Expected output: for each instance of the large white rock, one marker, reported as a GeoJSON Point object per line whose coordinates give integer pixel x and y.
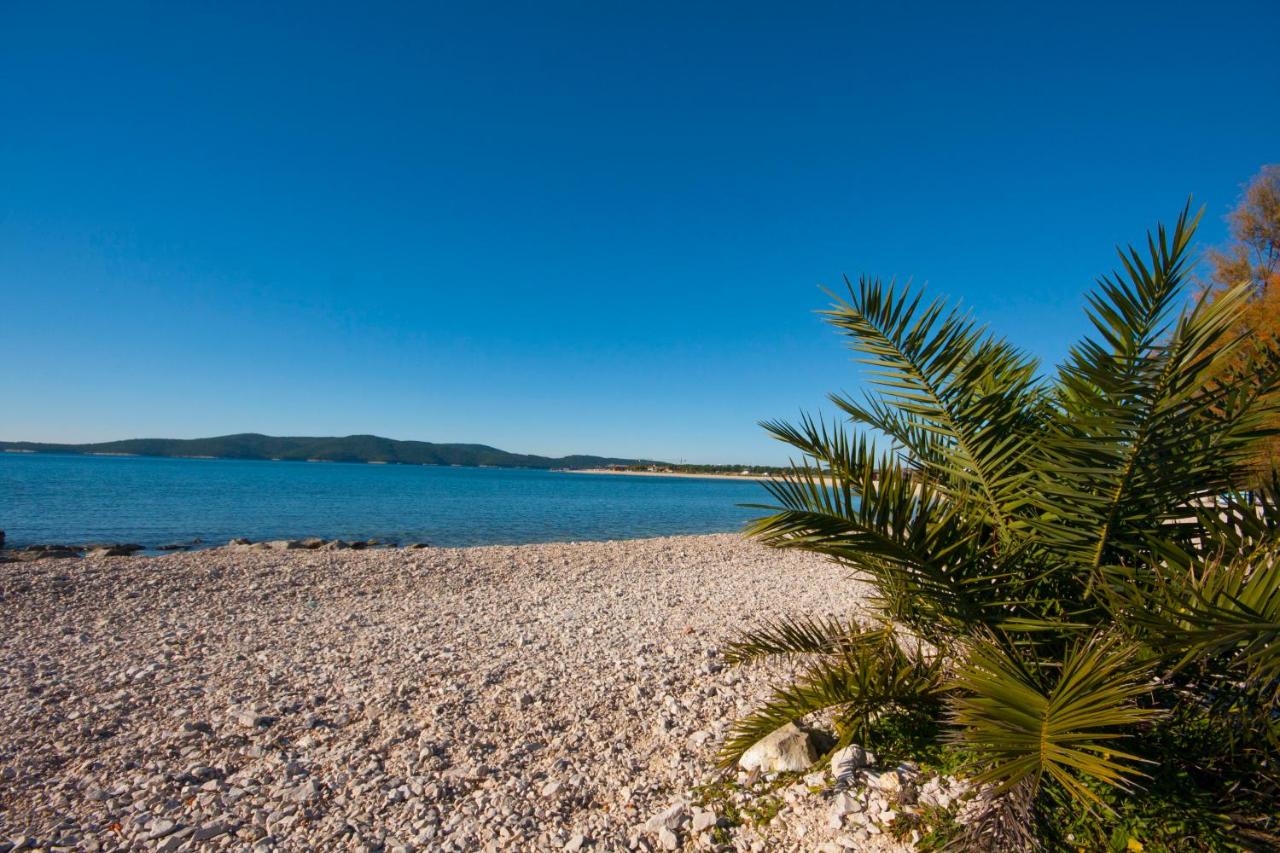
{"type": "Point", "coordinates": [889, 781]}
{"type": "Point", "coordinates": [843, 804]}
{"type": "Point", "coordinates": [788, 749]}
{"type": "Point", "coordinates": [845, 761]}
{"type": "Point", "coordinates": [703, 820]}
{"type": "Point", "coordinates": [672, 817]}
{"type": "Point", "coordinates": [933, 794]}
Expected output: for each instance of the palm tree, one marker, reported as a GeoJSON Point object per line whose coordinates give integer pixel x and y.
{"type": "Point", "coordinates": [1069, 574]}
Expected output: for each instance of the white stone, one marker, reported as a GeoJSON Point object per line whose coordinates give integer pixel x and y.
{"type": "Point", "coordinates": [889, 781]}
{"type": "Point", "coordinates": [843, 804]}
{"type": "Point", "coordinates": [306, 792]}
{"type": "Point", "coordinates": [845, 761]}
{"type": "Point", "coordinates": [672, 817]}
{"type": "Point", "coordinates": [787, 749]}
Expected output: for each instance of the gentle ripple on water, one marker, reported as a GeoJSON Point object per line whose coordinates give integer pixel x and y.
{"type": "Point", "coordinates": [48, 498]}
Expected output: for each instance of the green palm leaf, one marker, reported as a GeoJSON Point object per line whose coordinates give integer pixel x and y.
{"type": "Point", "coordinates": [860, 507]}
{"type": "Point", "coordinates": [1148, 425]}
{"type": "Point", "coordinates": [869, 675]}
{"type": "Point", "coordinates": [950, 378]}
{"type": "Point", "coordinates": [798, 636]}
{"type": "Point", "coordinates": [1026, 720]}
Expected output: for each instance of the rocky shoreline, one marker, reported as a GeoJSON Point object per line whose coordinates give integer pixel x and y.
{"type": "Point", "coordinates": [538, 697]}
{"type": "Point", "coordinates": [123, 549]}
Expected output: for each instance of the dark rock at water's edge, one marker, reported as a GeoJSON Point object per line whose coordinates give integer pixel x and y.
{"type": "Point", "coordinates": [116, 549]}
{"type": "Point", "coordinates": [1, 539]}
{"type": "Point", "coordinates": [113, 550]}
{"type": "Point", "coordinates": [65, 552]}
{"type": "Point", "coordinates": [41, 552]}
{"type": "Point", "coordinates": [180, 546]}
{"type": "Point", "coordinates": [38, 551]}
{"type": "Point", "coordinates": [313, 544]}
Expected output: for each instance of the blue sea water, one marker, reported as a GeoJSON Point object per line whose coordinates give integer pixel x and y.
{"type": "Point", "coordinates": [48, 498]}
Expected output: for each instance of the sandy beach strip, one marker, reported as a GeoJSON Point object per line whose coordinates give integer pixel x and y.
{"type": "Point", "coordinates": [502, 698]}
{"type": "Point", "coordinates": [691, 476]}
{"type": "Point", "coordinates": [760, 478]}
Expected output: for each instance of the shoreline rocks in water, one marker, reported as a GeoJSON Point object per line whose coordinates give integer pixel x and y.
{"type": "Point", "coordinates": [540, 697]}
{"type": "Point", "coordinates": [62, 552]}
{"type": "Point", "coordinates": [181, 546]}
{"type": "Point", "coordinates": [311, 544]}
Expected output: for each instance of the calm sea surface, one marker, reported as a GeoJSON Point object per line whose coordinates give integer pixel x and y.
{"type": "Point", "coordinates": [46, 498]}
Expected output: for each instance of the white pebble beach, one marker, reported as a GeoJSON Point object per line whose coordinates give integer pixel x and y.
{"type": "Point", "coordinates": [535, 697]}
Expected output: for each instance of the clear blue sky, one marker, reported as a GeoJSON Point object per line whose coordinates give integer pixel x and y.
{"type": "Point", "coordinates": [594, 227]}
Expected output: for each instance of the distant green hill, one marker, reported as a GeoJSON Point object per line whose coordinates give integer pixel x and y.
{"type": "Point", "coordinates": [352, 448]}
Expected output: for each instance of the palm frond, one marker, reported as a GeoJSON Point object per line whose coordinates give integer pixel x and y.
{"type": "Point", "coordinates": [953, 379]}
{"type": "Point", "coordinates": [862, 681]}
{"type": "Point", "coordinates": [920, 448]}
{"type": "Point", "coordinates": [1002, 822]}
{"type": "Point", "coordinates": [1025, 719]}
{"type": "Point", "coordinates": [799, 635]}
{"type": "Point", "coordinates": [857, 505]}
{"type": "Point", "coordinates": [1221, 616]}
{"type": "Point", "coordinates": [1149, 425]}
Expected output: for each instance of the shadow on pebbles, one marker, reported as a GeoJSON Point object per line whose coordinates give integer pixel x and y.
{"type": "Point", "coordinates": [540, 697]}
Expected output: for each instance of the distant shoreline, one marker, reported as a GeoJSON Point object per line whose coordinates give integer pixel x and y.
{"type": "Point", "coordinates": [689, 474]}
{"type": "Point", "coordinates": [311, 461]}
{"type": "Point", "coordinates": [366, 449]}
{"type": "Point", "coordinates": [101, 454]}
